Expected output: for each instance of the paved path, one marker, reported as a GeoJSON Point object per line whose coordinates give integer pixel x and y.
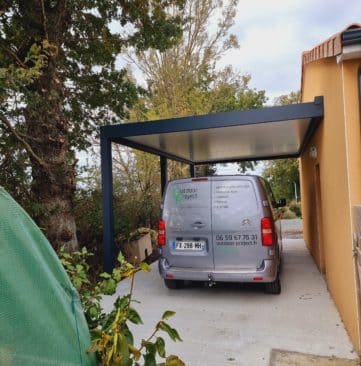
{"type": "Point", "coordinates": [292, 228]}
{"type": "Point", "coordinates": [240, 325]}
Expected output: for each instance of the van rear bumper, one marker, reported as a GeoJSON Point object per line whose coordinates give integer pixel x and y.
{"type": "Point", "coordinates": [266, 273]}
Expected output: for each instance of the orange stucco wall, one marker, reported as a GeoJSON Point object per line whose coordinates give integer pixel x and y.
{"type": "Point", "coordinates": [327, 201]}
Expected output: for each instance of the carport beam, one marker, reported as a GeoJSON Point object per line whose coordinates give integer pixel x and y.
{"type": "Point", "coordinates": [163, 173]}
{"type": "Point", "coordinates": [108, 216]}
{"type": "Point", "coordinates": [192, 170]}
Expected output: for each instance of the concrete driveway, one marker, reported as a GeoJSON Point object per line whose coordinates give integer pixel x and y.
{"type": "Point", "coordinates": [230, 324]}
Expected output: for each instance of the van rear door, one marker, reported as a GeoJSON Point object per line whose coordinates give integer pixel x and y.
{"type": "Point", "coordinates": [187, 216]}
{"type": "Point", "coordinates": [236, 216]}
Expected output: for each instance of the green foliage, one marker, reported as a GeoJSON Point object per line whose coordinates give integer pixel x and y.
{"type": "Point", "coordinates": [15, 167]}
{"type": "Point", "coordinates": [232, 93]}
{"type": "Point", "coordinates": [291, 98]}
{"type": "Point", "coordinates": [282, 174]}
{"type": "Point", "coordinates": [295, 207]}
{"type": "Point", "coordinates": [77, 267]}
{"type": "Point", "coordinates": [135, 201]}
{"type": "Point", "coordinates": [86, 37]}
{"type": "Point", "coordinates": [136, 191]}
{"type": "Point", "coordinates": [88, 216]}
{"type": "Point", "coordinates": [205, 170]}
{"type": "Point", "coordinates": [60, 79]}
{"type": "Point", "coordinates": [14, 75]}
{"type": "Point", "coordinates": [15, 171]}
{"type": "Point", "coordinates": [180, 78]}
{"type": "Point", "coordinates": [112, 339]}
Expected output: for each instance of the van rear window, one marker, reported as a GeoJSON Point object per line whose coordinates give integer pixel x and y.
{"type": "Point", "coordinates": [234, 196]}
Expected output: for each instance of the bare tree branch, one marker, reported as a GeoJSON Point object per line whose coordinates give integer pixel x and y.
{"type": "Point", "coordinates": [45, 20]}
{"type": "Point", "coordinates": [15, 56]}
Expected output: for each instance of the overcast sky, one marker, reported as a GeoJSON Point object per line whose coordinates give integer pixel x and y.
{"type": "Point", "coordinates": [274, 33]}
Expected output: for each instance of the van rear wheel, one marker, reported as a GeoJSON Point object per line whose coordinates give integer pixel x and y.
{"type": "Point", "coordinates": [174, 284]}
{"type": "Point", "coordinates": [273, 287]}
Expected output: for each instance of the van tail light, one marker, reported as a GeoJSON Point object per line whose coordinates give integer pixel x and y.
{"type": "Point", "coordinates": [161, 233]}
{"type": "Point", "coordinates": [267, 232]}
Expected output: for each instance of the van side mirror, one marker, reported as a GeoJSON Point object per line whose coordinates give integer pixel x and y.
{"type": "Point", "coordinates": [282, 202]}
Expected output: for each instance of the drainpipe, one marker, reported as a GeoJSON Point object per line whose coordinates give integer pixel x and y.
{"type": "Point", "coordinates": [192, 171]}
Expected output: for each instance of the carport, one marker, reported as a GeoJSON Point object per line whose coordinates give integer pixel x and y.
{"type": "Point", "coordinates": [257, 134]}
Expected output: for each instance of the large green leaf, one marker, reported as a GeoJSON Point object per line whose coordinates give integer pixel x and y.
{"type": "Point", "coordinates": [173, 334]}
{"type": "Point", "coordinates": [160, 344]}
{"type": "Point", "coordinates": [167, 314]}
{"type": "Point", "coordinates": [134, 317]}
{"type": "Point", "coordinates": [149, 360]}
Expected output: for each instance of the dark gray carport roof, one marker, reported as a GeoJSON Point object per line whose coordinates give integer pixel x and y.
{"type": "Point", "coordinates": [258, 134]}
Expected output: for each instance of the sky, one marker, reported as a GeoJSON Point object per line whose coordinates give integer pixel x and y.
{"type": "Point", "coordinates": [274, 33]}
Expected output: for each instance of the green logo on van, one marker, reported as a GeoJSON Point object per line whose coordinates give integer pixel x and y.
{"type": "Point", "coordinates": [178, 196]}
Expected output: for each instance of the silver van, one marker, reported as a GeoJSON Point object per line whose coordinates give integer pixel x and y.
{"type": "Point", "coordinates": [222, 229]}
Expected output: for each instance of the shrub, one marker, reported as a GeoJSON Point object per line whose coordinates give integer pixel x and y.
{"type": "Point", "coordinates": [296, 208]}
{"type": "Point", "coordinates": [112, 340]}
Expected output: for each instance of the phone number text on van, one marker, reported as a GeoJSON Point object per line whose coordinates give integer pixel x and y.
{"type": "Point", "coordinates": [236, 239]}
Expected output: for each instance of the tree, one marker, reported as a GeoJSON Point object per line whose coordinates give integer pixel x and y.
{"type": "Point", "coordinates": [232, 93]}
{"type": "Point", "coordinates": [136, 174]}
{"type": "Point", "coordinates": [184, 80]}
{"type": "Point", "coordinates": [178, 78]}
{"type": "Point", "coordinates": [291, 98]}
{"type": "Point", "coordinates": [59, 81]}
{"type": "Point", "coordinates": [283, 175]}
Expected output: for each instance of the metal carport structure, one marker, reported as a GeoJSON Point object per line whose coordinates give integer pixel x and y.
{"type": "Point", "coordinates": [257, 134]}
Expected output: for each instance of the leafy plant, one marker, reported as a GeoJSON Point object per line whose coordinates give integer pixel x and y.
{"type": "Point", "coordinates": [112, 340]}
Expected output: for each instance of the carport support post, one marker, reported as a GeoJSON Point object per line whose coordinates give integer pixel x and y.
{"type": "Point", "coordinates": [163, 173]}
{"type": "Point", "coordinates": [192, 170]}
{"type": "Point", "coordinates": [108, 215]}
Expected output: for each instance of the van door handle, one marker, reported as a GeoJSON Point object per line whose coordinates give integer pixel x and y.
{"type": "Point", "coordinates": [198, 225]}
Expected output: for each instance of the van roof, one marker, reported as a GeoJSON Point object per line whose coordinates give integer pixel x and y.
{"type": "Point", "coordinates": [213, 177]}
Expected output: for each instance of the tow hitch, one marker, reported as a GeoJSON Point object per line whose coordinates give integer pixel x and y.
{"type": "Point", "coordinates": [210, 280]}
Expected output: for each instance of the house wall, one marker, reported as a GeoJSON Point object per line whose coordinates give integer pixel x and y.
{"type": "Point", "coordinates": [331, 183]}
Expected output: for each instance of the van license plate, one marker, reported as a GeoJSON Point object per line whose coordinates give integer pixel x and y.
{"type": "Point", "coordinates": [189, 245]}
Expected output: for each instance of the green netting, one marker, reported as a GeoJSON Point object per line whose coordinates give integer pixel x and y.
{"type": "Point", "coordinates": [41, 320]}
